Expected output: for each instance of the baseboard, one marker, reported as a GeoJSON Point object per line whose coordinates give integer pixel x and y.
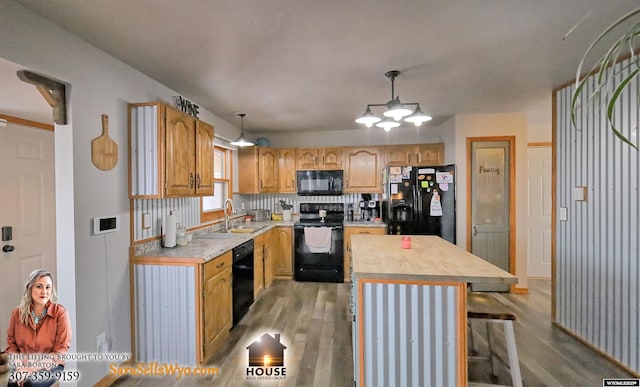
{"type": "Point", "coordinates": [109, 379]}
{"type": "Point", "coordinates": [516, 290]}
{"type": "Point", "coordinates": [601, 352]}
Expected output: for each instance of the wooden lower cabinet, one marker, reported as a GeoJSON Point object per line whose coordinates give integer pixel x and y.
{"type": "Point", "coordinates": [258, 265]}
{"type": "Point", "coordinates": [270, 248]}
{"type": "Point", "coordinates": [283, 253]}
{"type": "Point", "coordinates": [217, 313]}
{"type": "Point", "coordinates": [348, 231]}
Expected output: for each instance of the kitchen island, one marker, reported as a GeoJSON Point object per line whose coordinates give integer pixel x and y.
{"type": "Point", "coordinates": [410, 312]}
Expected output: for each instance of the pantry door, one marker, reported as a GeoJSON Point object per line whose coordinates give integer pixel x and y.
{"type": "Point", "coordinates": [491, 216]}
{"type": "Point", "coordinates": [27, 205]}
{"type": "Point", "coordinates": [539, 220]}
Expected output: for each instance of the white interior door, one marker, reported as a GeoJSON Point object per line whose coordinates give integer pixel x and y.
{"type": "Point", "coordinates": [539, 226]}
{"type": "Point", "coordinates": [27, 205]}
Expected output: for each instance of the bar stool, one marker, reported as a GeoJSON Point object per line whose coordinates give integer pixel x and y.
{"type": "Point", "coordinates": [483, 307]}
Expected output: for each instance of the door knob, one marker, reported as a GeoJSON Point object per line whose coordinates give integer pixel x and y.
{"type": "Point", "coordinates": [8, 248]}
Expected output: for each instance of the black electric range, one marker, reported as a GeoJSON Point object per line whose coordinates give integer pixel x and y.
{"type": "Point", "coordinates": [324, 265]}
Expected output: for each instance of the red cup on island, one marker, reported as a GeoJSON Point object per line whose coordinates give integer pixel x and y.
{"type": "Point", "coordinates": [406, 242]}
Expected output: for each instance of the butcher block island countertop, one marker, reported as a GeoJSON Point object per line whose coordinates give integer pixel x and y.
{"type": "Point", "coordinates": [409, 309]}
{"type": "Point", "coordinates": [430, 258]}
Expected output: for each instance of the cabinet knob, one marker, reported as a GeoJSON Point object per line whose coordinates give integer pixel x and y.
{"type": "Point", "coordinates": [191, 180]}
{"type": "Point", "coordinates": [198, 180]}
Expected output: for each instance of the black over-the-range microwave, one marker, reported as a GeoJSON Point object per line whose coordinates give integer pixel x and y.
{"type": "Point", "coordinates": [319, 182]}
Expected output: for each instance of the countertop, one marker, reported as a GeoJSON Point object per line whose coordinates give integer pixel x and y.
{"type": "Point", "coordinates": [430, 258]}
{"type": "Point", "coordinates": [204, 250]}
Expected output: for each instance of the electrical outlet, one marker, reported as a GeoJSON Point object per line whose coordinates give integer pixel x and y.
{"type": "Point", "coordinates": [146, 221]}
{"type": "Point", "coordinates": [101, 341]}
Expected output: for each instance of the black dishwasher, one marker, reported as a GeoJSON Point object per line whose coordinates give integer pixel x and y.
{"type": "Point", "coordinates": [242, 280]}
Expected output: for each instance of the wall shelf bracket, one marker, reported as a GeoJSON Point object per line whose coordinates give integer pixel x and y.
{"type": "Point", "coordinates": [54, 93]}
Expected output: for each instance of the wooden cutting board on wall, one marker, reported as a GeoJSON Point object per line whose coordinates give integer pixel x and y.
{"type": "Point", "coordinates": [104, 151]}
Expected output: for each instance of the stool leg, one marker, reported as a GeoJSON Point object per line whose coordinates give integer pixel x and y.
{"type": "Point", "coordinates": [472, 340]}
{"type": "Point", "coordinates": [512, 352]}
{"type": "Point", "coordinates": [492, 355]}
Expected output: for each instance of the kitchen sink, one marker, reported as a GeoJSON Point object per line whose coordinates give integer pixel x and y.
{"type": "Point", "coordinates": [218, 235]}
{"type": "Point", "coordinates": [232, 232]}
{"type": "Point", "coordinates": [246, 229]}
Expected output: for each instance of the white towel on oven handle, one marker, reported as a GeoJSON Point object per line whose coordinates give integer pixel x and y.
{"type": "Point", "coordinates": [318, 239]}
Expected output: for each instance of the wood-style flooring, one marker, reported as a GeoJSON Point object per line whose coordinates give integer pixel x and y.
{"type": "Point", "coordinates": [314, 322]}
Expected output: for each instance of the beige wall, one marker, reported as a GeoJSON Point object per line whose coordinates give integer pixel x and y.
{"type": "Point", "coordinates": [486, 125]}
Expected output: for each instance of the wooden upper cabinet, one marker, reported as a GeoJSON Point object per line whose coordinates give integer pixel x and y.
{"type": "Point", "coordinates": [248, 170]}
{"type": "Point", "coordinates": [287, 170]}
{"type": "Point", "coordinates": [331, 158]}
{"type": "Point", "coordinates": [430, 154]}
{"type": "Point", "coordinates": [170, 153]}
{"type": "Point", "coordinates": [258, 170]}
{"type": "Point", "coordinates": [268, 160]}
{"type": "Point", "coordinates": [204, 159]}
{"type": "Point", "coordinates": [319, 158]}
{"type": "Point", "coordinates": [180, 142]}
{"type": "Point", "coordinates": [396, 155]}
{"type": "Point", "coordinates": [419, 155]}
{"type": "Point", "coordinates": [363, 170]}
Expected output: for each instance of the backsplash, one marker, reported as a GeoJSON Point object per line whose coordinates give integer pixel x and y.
{"type": "Point", "coordinates": [272, 201]}
{"type": "Point", "coordinates": [188, 209]}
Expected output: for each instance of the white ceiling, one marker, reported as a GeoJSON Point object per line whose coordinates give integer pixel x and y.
{"type": "Point", "coordinates": [314, 65]}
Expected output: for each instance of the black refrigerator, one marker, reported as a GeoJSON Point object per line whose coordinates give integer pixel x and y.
{"type": "Point", "coordinates": [421, 201]}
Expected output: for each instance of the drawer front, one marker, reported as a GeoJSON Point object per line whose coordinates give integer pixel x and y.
{"type": "Point", "coordinates": [217, 265]}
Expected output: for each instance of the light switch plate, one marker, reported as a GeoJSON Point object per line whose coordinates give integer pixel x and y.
{"type": "Point", "coordinates": [563, 214]}
{"type": "Point", "coordinates": [580, 194]}
{"type": "Point", "coordinates": [146, 221]}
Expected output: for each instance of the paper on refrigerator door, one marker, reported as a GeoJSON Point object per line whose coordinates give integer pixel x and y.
{"type": "Point", "coordinates": [436, 205]}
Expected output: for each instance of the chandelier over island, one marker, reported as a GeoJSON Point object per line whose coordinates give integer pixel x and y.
{"type": "Point", "coordinates": [396, 111]}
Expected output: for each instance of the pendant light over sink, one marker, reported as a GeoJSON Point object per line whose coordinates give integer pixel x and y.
{"type": "Point", "coordinates": [395, 112]}
{"type": "Point", "coordinates": [242, 141]}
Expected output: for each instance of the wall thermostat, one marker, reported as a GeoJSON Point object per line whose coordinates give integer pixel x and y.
{"type": "Point", "coordinates": [105, 224]}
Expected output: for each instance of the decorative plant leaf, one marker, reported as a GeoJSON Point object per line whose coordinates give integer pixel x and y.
{"type": "Point", "coordinates": [612, 103]}
{"type": "Point", "coordinates": [604, 73]}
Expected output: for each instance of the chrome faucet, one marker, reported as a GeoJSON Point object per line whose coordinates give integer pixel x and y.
{"type": "Point", "coordinates": [226, 212]}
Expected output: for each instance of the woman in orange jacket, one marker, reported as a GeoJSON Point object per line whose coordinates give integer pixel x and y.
{"type": "Point", "coordinates": [39, 327]}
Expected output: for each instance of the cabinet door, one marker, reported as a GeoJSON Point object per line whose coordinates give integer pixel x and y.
{"type": "Point", "coordinates": [430, 154]}
{"type": "Point", "coordinates": [258, 265]}
{"type": "Point", "coordinates": [331, 158]}
{"type": "Point", "coordinates": [348, 231]}
{"type": "Point", "coordinates": [217, 307]}
{"type": "Point", "coordinates": [179, 153]}
{"type": "Point", "coordinates": [396, 155]}
{"type": "Point", "coordinates": [287, 170]}
{"type": "Point", "coordinates": [283, 258]}
{"type": "Point", "coordinates": [268, 169]}
{"type": "Point", "coordinates": [248, 170]}
{"type": "Point", "coordinates": [307, 158]}
{"type": "Point", "coordinates": [269, 253]}
{"type": "Point", "coordinates": [204, 159]}
{"type": "Point", "coordinates": [363, 170]}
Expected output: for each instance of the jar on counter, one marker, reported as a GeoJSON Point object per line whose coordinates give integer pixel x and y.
{"type": "Point", "coordinates": [406, 242]}
{"type": "Point", "coordinates": [181, 237]}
